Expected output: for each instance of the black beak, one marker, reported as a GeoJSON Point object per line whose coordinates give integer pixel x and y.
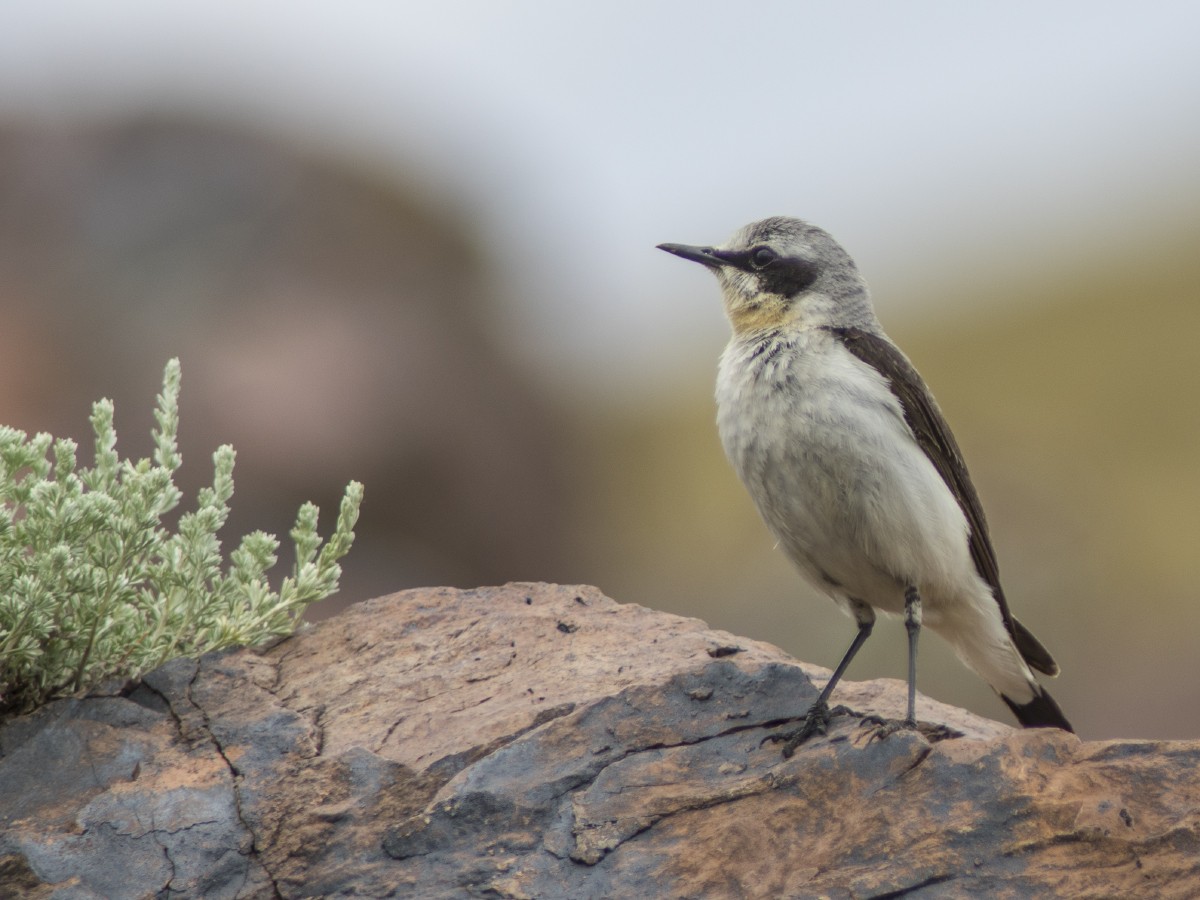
{"type": "Point", "coordinates": [705, 255]}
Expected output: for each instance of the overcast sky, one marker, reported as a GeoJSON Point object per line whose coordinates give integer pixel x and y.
{"type": "Point", "coordinates": [577, 136]}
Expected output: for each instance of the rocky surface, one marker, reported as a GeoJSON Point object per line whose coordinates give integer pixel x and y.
{"type": "Point", "coordinates": [543, 741]}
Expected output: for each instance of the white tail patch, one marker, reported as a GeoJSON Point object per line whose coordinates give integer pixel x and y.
{"type": "Point", "coordinates": [976, 631]}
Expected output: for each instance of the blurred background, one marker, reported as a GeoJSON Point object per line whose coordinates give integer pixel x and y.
{"type": "Point", "coordinates": [413, 244]}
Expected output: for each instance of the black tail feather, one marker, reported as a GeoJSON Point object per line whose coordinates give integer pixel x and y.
{"type": "Point", "coordinates": [1032, 651]}
{"type": "Point", "coordinates": [1040, 712]}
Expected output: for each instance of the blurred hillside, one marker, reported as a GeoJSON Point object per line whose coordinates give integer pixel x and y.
{"type": "Point", "coordinates": [330, 324]}
{"type": "Point", "coordinates": [334, 323]}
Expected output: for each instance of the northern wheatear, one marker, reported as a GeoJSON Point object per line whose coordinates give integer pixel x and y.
{"type": "Point", "coordinates": [852, 466]}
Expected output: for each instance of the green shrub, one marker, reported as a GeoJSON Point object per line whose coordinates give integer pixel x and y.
{"type": "Point", "coordinates": [94, 587]}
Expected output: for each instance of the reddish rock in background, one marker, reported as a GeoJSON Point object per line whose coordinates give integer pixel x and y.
{"type": "Point", "coordinates": [333, 322]}
{"type": "Point", "coordinates": [544, 741]}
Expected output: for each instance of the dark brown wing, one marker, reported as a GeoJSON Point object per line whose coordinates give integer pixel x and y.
{"type": "Point", "coordinates": [933, 435]}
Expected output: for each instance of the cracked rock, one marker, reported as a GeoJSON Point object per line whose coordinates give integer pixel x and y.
{"type": "Point", "coordinates": [446, 743]}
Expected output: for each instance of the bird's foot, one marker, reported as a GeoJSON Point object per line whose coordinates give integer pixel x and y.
{"type": "Point", "coordinates": [882, 729]}
{"type": "Point", "coordinates": [816, 721]}
{"type": "Point", "coordinates": [885, 728]}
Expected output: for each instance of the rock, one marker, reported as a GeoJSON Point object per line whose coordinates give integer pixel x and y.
{"type": "Point", "coordinates": [543, 741]}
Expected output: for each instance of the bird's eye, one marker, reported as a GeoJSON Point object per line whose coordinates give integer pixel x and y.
{"type": "Point", "coordinates": [761, 257]}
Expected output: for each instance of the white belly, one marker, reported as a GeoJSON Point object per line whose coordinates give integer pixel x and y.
{"type": "Point", "coordinates": [823, 449]}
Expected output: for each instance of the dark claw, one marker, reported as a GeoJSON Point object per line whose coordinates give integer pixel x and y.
{"type": "Point", "coordinates": [816, 721]}
{"type": "Point", "coordinates": [885, 728]}
{"type": "Point", "coordinates": [934, 733]}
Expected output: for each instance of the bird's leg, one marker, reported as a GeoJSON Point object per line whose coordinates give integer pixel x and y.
{"type": "Point", "coordinates": [912, 624]}
{"type": "Point", "coordinates": [816, 720]}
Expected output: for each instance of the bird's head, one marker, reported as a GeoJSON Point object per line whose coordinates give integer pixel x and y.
{"type": "Point", "coordinates": [784, 272]}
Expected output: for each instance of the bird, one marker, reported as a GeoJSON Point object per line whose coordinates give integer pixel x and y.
{"type": "Point", "coordinates": [853, 468]}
